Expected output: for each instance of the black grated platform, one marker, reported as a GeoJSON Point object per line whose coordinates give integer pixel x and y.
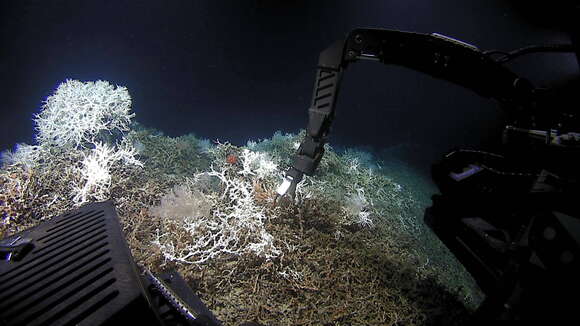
{"type": "Point", "coordinates": [78, 272]}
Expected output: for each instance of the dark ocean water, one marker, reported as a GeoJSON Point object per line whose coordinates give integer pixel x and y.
{"type": "Point", "coordinates": [239, 70]}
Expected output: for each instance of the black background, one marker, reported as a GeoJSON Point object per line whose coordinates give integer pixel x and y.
{"type": "Point", "coordinates": [239, 70]}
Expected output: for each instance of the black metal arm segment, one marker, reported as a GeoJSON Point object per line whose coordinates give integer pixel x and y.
{"type": "Point", "coordinates": [437, 55]}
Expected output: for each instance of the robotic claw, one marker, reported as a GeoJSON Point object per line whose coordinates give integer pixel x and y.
{"type": "Point", "coordinates": [511, 218]}
{"type": "Point", "coordinates": [437, 55]}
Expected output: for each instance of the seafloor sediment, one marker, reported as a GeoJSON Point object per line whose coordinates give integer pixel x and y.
{"type": "Point", "coordinates": [350, 250]}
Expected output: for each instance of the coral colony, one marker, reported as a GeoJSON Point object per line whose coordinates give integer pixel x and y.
{"type": "Point", "coordinates": [350, 249]}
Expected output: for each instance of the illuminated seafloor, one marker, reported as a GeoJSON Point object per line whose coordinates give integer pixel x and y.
{"type": "Point", "coordinates": [351, 249]}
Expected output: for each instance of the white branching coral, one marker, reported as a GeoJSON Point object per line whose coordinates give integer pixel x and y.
{"type": "Point", "coordinates": [357, 208]}
{"type": "Point", "coordinates": [74, 119]}
{"type": "Point", "coordinates": [24, 154]}
{"type": "Point", "coordinates": [257, 164]}
{"type": "Point", "coordinates": [96, 168]}
{"type": "Point", "coordinates": [236, 225]}
{"type": "Point", "coordinates": [80, 113]}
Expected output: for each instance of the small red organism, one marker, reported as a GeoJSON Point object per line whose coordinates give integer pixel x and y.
{"type": "Point", "coordinates": [232, 159]}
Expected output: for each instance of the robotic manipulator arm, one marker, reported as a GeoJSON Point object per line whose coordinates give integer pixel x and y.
{"type": "Point", "coordinates": [437, 55]}
{"type": "Point", "coordinates": [480, 200]}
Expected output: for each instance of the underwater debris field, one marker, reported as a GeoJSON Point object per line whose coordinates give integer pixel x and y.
{"type": "Point", "coordinates": [351, 249]}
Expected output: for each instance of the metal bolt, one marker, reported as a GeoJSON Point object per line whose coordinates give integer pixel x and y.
{"type": "Point", "coordinates": [358, 38]}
